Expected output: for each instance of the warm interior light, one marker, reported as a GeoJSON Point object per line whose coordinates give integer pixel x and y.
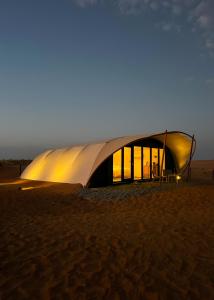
{"type": "Point", "coordinates": [127, 163]}
{"type": "Point", "coordinates": [154, 162]}
{"type": "Point", "coordinates": [137, 163]}
{"type": "Point", "coordinates": [146, 162]}
{"type": "Point", "coordinates": [162, 160]}
{"type": "Point", "coordinates": [178, 177]}
{"type": "Point", "coordinates": [117, 172]}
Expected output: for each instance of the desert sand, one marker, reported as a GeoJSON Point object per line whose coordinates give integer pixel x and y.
{"type": "Point", "coordinates": [137, 241]}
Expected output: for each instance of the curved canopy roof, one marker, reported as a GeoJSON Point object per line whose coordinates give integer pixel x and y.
{"type": "Point", "coordinates": [77, 164]}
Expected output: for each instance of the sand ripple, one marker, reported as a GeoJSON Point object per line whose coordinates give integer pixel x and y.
{"type": "Point", "coordinates": [61, 242]}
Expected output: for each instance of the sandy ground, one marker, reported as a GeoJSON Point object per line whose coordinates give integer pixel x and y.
{"type": "Point", "coordinates": [202, 170]}
{"type": "Point", "coordinates": [139, 241]}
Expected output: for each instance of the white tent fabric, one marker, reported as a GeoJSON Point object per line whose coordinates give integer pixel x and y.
{"type": "Point", "coordinates": [78, 163]}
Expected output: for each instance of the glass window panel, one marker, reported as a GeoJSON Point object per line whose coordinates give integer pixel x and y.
{"type": "Point", "coordinates": [137, 163]}
{"type": "Point", "coordinates": [117, 160]}
{"type": "Point", "coordinates": [127, 163]}
{"type": "Point", "coordinates": [146, 162]}
{"type": "Point", "coordinates": [154, 162]}
{"type": "Point", "coordinates": [162, 158]}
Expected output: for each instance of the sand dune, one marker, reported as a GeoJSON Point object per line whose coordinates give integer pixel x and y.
{"type": "Point", "coordinates": [129, 242]}
{"type": "Point", "coordinates": [202, 170]}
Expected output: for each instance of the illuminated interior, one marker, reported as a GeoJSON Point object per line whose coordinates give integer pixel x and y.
{"type": "Point", "coordinates": [117, 161]}
{"type": "Point", "coordinates": [137, 163]}
{"type": "Point", "coordinates": [155, 165]}
{"type": "Point", "coordinates": [146, 167]}
{"type": "Point", "coordinates": [127, 163]}
{"type": "Point", "coordinates": [162, 161]}
{"type": "Point", "coordinates": [146, 163]}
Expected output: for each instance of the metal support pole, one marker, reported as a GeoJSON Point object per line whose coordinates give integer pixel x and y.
{"type": "Point", "coordinates": [163, 156]}
{"type": "Point", "coordinates": [190, 159]}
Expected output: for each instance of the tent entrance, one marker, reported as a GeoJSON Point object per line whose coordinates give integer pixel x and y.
{"type": "Point", "coordinates": [136, 162]}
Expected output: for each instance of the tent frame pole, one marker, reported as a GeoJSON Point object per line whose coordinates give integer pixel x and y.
{"type": "Point", "coordinates": [190, 160]}
{"type": "Point", "coordinates": [163, 156]}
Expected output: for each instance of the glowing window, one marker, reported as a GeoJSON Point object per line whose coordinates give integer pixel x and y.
{"type": "Point", "coordinates": [162, 161]}
{"type": "Point", "coordinates": [127, 163]}
{"type": "Point", "coordinates": [137, 163]}
{"type": "Point", "coordinates": [117, 160]}
{"type": "Point", "coordinates": [155, 170]}
{"type": "Point", "coordinates": [146, 163]}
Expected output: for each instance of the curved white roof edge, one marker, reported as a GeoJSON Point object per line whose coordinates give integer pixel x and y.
{"type": "Point", "coordinates": [77, 164]}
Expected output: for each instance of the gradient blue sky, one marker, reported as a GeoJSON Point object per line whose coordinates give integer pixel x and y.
{"type": "Point", "coordinates": [79, 71]}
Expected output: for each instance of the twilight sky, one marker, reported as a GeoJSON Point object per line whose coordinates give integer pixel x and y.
{"type": "Point", "coordinates": [83, 70]}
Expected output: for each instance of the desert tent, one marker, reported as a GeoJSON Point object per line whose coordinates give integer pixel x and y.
{"type": "Point", "coordinates": [116, 160]}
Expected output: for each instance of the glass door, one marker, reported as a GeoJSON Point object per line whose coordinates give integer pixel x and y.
{"type": "Point", "coordinates": [146, 163]}
{"type": "Point", "coordinates": [117, 164]}
{"type": "Point", "coordinates": [162, 162]}
{"type": "Point", "coordinates": [155, 168]}
{"type": "Point", "coordinates": [127, 163]}
{"type": "Point", "coordinates": [137, 163]}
